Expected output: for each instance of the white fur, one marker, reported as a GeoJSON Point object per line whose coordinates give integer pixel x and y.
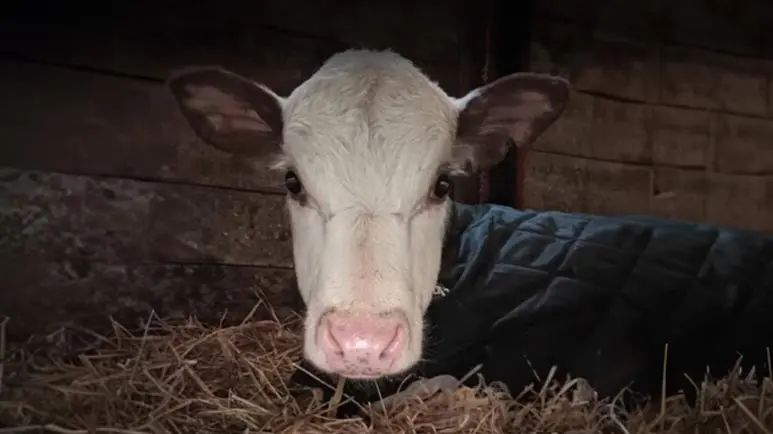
{"type": "Point", "coordinates": [367, 135]}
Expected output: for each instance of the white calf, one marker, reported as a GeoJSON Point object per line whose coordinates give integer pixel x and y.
{"type": "Point", "coordinates": [368, 145]}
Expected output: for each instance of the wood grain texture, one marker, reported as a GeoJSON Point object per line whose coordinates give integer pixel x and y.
{"type": "Point", "coordinates": [554, 182]}
{"type": "Point", "coordinates": [576, 184]}
{"type": "Point", "coordinates": [279, 43]}
{"type": "Point", "coordinates": [743, 145]}
{"type": "Point", "coordinates": [705, 80]}
{"type": "Point", "coordinates": [85, 123]}
{"type": "Point", "coordinates": [672, 115]}
{"type": "Point", "coordinates": [644, 70]}
{"type": "Point", "coordinates": [617, 188]}
{"type": "Point", "coordinates": [55, 216]}
{"type": "Point", "coordinates": [733, 26]}
{"type": "Point", "coordinates": [679, 194]}
{"type": "Point", "coordinates": [740, 200]}
{"type": "Point", "coordinates": [39, 296]}
{"type": "Point", "coordinates": [595, 63]}
{"type": "Point", "coordinates": [681, 137]}
{"type": "Point", "coordinates": [601, 128]}
{"type": "Point", "coordinates": [421, 28]}
{"type": "Point", "coordinates": [579, 184]}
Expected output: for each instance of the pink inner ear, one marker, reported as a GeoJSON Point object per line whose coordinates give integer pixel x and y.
{"type": "Point", "coordinates": [226, 113]}
{"type": "Point", "coordinates": [533, 104]}
{"type": "Point", "coordinates": [520, 114]}
{"type": "Point", "coordinates": [518, 107]}
{"type": "Point", "coordinates": [514, 120]}
{"type": "Point", "coordinates": [206, 98]}
{"type": "Point", "coordinates": [223, 124]}
{"type": "Point", "coordinates": [255, 124]}
{"type": "Point", "coordinates": [226, 125]}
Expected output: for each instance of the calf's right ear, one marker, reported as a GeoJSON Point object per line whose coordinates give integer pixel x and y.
{"type": "Point", "coordinates": [229, 111]}
{"type": "Point", "coordinates": [516, 108]}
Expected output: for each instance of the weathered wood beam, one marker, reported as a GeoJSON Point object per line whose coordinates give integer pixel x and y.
{"type": "Point", "coordinates": [55, 216]}
{"type": "Point", "coordinates": [38, 296]}
{"type": "Point", "coordinates": [268, 37]}
{"type": "Point", "coordinates": [56, 119]}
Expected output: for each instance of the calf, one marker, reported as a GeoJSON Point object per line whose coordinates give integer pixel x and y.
{"type": "Point", "coordinates": [368, 145]}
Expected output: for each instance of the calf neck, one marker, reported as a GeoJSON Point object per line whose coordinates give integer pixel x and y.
{"type": "Point", "coordinates": [368, 145]}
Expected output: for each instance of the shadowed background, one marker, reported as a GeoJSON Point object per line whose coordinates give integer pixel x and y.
{"type": "Point", "coordinates": [109, 205]}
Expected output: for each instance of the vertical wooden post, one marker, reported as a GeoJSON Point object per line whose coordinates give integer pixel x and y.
{"type": "Point", "coordinates": [511, 38]}
{"type": "Point", "coordinates": [473, 25]}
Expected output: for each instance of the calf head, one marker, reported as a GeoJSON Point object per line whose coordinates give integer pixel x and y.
{"type": "Point", "coordinates": [367, 146]}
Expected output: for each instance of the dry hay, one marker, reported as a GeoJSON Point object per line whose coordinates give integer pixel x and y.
{"type": "Point", "coordinates": [192, 378]}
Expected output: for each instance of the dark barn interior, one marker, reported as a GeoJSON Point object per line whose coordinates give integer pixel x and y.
{"type": "Point", "coordinates": [110, 206]}
{"type": "Point", "coordinates": [146, 209]}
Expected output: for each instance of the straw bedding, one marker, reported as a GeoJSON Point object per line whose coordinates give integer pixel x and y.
{"type": "Point", "coordinates": [187, 377]}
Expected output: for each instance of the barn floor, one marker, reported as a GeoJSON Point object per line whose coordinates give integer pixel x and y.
{"type": "Point", "coordinates": [191, 378]}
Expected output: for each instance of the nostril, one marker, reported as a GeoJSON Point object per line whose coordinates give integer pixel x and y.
{"type": "Point", "coordinates": [328, 335]}
{"type": "Point", "coordinates": [362, 343]}
{"type": "Point", "coordinates": [394, 345]}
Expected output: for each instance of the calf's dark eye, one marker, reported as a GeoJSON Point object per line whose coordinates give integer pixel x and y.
{"type": "Point", "coordinates": [442, 187]}
{"type": "Point", "coordinates": [292, 183]}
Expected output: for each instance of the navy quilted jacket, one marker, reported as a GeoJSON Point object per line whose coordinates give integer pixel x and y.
{"type": "Point", "coordinates": [599, 297]}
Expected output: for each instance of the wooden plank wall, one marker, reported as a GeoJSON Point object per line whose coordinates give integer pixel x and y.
{"type": "Point", "coordinates": [109, 205]}
{"type": "Point", "coordinates": [673, 115]}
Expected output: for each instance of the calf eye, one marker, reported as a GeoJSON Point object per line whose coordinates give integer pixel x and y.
{"type": "Point", "coordinates": [442, 187]}
{"type": "Point", "coordinates": [292, 183]}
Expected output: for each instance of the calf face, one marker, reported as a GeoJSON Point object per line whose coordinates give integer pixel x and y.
{"type": "Point", "coordinates": [367, 145]}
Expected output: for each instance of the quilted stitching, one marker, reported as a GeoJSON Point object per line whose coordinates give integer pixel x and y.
{"type": "Point", "coordinates": [610, 288]}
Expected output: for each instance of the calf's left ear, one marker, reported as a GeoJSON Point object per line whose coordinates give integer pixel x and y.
{"type": "Point", "coordinates": [517, 107]}
{"type": "Point", "coordinates": [228, 111]}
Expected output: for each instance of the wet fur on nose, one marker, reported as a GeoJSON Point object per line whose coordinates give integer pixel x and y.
{"type": "Point", "coordinates": [362, 346]}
